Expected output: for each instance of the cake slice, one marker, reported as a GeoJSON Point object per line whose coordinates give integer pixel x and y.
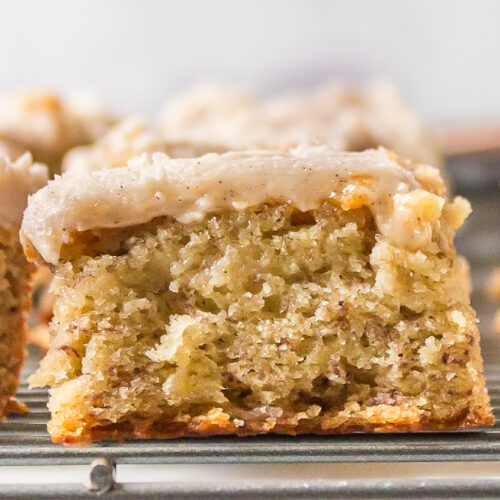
{"type": "Point", "coordinates": [17, 180]}
{"type": "Point", "coordinates": [348, 117]}
{"type": "Point", "coordinates": [255, 292]}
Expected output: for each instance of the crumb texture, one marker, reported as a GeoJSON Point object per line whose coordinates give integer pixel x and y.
{"type": "Point", "coordinates": [264, 320]}
{"type": "Point", "coordinates": [14, 304]}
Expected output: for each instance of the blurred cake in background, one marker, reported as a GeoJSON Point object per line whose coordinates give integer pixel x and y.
{"type": "Point", "coordinates": [48, 125]}
{"type": "Point", "coordinates": [347, 117]}
{"type": "Point", "coordinates": [121, 142]}
{"type": "Point", "coordinates": [127, 139]}
{"type": "Point", "coordinates": [212, 118]}
{"type": "Point", "coordinates": [17, 180]}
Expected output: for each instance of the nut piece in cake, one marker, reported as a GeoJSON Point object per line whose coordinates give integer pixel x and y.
{"type": "Point", "coordinates": [255, 292]}
{"type": "Point", "coordinates": [17, 180]}
{"type": "Point", "coordinates": [347, 117]}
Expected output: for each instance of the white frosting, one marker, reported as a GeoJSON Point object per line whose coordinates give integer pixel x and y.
{"type": "Point", "coordinates": [346, 117]}
{"type": "Point", "coordinates": [18, 180]}
{"type": "Point", "coordinates": [187, 189]}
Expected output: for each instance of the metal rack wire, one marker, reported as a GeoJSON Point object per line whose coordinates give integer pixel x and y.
{"type": "Point", "coordinates": [274, 490]}
{"type": "Point", "coordinates": [25, 441]}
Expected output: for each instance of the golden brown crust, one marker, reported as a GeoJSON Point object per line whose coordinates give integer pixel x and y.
{"type": "Point", "coordinates": [206, 426]}
{"type": "Point", "coordinates": [174, 429]}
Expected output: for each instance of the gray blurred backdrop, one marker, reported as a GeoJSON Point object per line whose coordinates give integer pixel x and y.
{"type": "Point", "coordinates": [444, 54]}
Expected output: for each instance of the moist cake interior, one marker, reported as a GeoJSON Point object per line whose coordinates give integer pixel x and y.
{"type": "Point", "coordinates": [264, 320]}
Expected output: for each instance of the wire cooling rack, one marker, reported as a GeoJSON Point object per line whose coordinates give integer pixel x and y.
{"type": "Point", "coordinates": [25, 441]}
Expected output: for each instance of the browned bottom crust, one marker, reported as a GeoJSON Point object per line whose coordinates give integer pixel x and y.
{"type": "Point", "coordinates": [219, 424]}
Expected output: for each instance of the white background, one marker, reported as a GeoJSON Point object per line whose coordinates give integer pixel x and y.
{"type": "Point", "coordinates": [444, 54]}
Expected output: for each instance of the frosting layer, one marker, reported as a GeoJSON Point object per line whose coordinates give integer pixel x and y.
{"type": "Point", "coordinates": [18, 180]}
{"type": "Point", "coordinates": [188, 189]}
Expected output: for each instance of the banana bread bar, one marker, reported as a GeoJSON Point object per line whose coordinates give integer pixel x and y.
{"type": "Point", "coordinates": [256, 292]}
